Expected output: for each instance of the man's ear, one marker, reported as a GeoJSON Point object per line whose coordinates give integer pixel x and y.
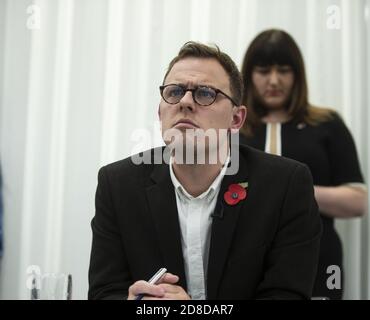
{"type": "Point", "coordinates": [239, 116]}
{"type": "Point", "coordinates": [159, 111]}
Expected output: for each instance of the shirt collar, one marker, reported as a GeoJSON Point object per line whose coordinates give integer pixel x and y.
{"type": "Point", "coordinates": [209, 193]}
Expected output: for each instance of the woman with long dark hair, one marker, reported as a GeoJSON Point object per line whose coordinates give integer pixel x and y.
{"type": "Point", "coordinates": [281, 121]}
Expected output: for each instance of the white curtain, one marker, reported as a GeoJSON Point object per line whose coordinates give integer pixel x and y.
{"type": "Point", "coordinates": [79, 83]}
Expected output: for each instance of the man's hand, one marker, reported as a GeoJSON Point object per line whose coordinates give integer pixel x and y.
{"type": "Point", "coordinates": [172, 291]}
{"type": "Point", "coordinates": [166, 289]}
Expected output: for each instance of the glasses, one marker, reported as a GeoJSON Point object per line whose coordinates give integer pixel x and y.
{"type": "Point", "coordinates": [202, 95]}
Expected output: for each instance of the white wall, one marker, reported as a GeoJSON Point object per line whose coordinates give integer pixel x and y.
{"type": "Point", "coordinates": [13, 122]}
{"type": "Point", "coordinates": [2, 42]}
{"type": "Point", "coordinates": [73, 92]}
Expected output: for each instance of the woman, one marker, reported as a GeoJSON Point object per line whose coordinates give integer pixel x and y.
{"type": "Point", "coordinates": [282, 121]}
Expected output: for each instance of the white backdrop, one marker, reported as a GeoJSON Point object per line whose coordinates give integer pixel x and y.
{"type": "Point", "coordinates": [77, 78]}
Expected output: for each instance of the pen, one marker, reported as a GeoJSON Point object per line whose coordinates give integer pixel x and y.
{"type": "Point", "coordinates": [153, 280]}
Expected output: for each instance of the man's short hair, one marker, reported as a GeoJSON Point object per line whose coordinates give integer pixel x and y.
{"type": "Point", "coordinates": [199, 50]}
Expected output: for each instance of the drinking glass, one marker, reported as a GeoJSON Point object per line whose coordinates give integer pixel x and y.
{"type": "Point", "coordinates": [52, 286]}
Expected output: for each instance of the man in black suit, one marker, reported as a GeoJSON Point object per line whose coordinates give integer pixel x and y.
{"type": "Point", "coordinates": [222, 233]}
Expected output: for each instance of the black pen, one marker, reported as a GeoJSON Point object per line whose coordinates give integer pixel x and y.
{"type": "Point", "coordinates": [153, 280]}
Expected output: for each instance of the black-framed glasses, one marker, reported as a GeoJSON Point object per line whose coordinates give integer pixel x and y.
{"type": "Point", "coordinates": [202, 95]}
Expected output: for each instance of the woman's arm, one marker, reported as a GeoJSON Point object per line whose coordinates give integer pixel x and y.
{"type": "Point", "coordinates": [342, 201]}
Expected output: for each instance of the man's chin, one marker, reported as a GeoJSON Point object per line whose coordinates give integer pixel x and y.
{"type": "Point", "coordinates": [196, 144]}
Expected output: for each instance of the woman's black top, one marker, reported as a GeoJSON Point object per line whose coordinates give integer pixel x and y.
{"type": "Point", "coordinates": [329, 151]}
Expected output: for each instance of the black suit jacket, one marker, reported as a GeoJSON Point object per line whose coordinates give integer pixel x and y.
{"type": "Point", "coordinates": [265, 247]}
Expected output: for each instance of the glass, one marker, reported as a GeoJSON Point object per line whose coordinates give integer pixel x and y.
{"type": "Point", "coordinates": [52, 286]}
{"type": "Point", "coordinates": [202, 95]}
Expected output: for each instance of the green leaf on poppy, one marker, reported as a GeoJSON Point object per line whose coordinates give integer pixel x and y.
{"type": "Point", "coordinates": [244, 184]}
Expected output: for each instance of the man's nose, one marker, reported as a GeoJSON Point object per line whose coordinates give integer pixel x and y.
{"type": "Point", "coordinates": [187, 101]}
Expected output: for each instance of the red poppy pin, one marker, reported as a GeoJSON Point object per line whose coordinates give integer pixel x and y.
{"type": "Point", "coordinates": [236, 193]}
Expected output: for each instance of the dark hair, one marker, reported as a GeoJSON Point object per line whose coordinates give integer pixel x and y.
{"type": "Point", "coordinates": [199, 50]}
{"type": "Point", "coordinates": [277, 47]}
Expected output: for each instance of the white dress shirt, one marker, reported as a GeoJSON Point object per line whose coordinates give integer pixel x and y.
{"type": "Point", "coordinates": [195, 224]}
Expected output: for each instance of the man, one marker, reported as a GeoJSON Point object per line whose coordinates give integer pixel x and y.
{"type": "Point", "coordinates": [253, 234]}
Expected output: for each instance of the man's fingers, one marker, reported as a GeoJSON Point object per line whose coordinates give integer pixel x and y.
{"type": "Point", "coordinates": [169, 288]}
{"type": "Point", "coordinates": [169, 278]}
{"type": "Point", "coordinates": [155, 290]}
{"type": "Point", "coordinates": [156, 298]}
{"type": "Point", "coordinates": [143, 287]}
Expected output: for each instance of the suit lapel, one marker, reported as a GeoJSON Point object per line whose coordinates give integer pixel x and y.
{"type": "Point", "coordinates": [225, 218]}
{"type": "Point", "coordinates": [162, 203]}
